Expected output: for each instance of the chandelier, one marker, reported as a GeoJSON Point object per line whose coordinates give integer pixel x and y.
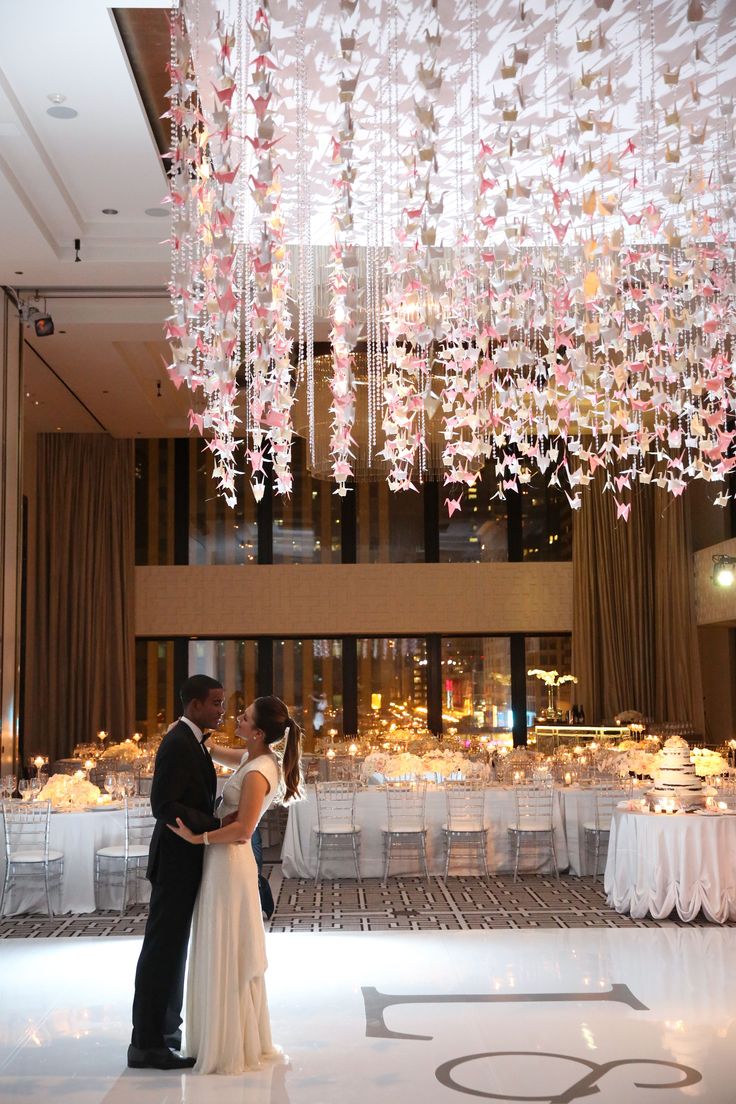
{"type": "Point", "coordinates": [514, 226]}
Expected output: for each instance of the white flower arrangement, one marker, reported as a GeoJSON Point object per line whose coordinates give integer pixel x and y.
{"type": "Point", "coordinates": [67, 791]}
{"type": "Point", "coordinates": [551, 678]}
{"type": "Point", "coordinates": [708, 763]}
{"type": "Point", "coordinates": [435, 765]}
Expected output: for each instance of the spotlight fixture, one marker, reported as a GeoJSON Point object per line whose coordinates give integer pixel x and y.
{"type": "Point", "coordinates": [723, 570]}
{"type": "Point", "coordinates": [41, 321]}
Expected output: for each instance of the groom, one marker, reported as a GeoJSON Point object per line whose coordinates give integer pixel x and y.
{"type": "Point", "coordinates": [184, 785]}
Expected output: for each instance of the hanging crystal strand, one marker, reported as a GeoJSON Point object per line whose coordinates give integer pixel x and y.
{"type": "Point", "coordinates": [305, 284]}
{"type": "Point", "coordinates": [272, 395]}
{"type": "Point", "coordinates": [344, 331]}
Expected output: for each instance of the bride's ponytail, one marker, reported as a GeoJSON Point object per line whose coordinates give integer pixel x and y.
{"type": "Point", "coordinates": [292, 762]}
{"type": "Point", "coordinates": [272, 717]}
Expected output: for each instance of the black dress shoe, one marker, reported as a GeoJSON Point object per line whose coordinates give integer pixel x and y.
{"type": "Point", "coordinates": [161, 1058]}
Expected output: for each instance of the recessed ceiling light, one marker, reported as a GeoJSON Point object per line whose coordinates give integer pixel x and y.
{"type": "Point", "coordinates": [109, 210]}
{"type": "Point", "coordinates": [62, 112]}
{"type": "Point", "coordinates": [157, 212]}
{"type": "Point", "coordinates": [19, 272]}
{"type": "Point", "coordinates": [56, 97]}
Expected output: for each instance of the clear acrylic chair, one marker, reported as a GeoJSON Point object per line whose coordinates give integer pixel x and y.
{"type": "Point", "coordinates": [598, 831]}
{"type": "Point", "coordinates": [28, 858]}
{"type": "Point", "coordinates": [406, 828]}
{"type": "Point", "coordinates": [120, 864]}
{"type": "Point", "coordinates": [466, 824]}
{"type": "Point", "coordinates": [336, 827]}
{"type": "Point", "coordinates": [534, 823]}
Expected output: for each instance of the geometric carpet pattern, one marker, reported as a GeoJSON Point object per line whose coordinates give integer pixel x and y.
{"type": "Point", "coordinates": [459, 904]}
{"type": "Point", "coordinates": [404, 904]}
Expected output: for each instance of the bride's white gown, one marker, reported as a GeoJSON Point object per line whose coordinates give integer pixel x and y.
{"type": "Point", "coordinates": [227, 1024]}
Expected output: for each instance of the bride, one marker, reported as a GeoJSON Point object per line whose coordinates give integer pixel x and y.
{"type": "Point", "coordinates": [227, 1024]}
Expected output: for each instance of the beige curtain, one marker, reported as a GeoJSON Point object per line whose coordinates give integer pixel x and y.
{"type": "Point", "coordinates": [634, 643]}
{"type": "Point", "coordinates": [81, 670]}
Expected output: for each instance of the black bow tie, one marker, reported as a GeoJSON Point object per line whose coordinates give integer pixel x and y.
{"type": "Point", "coordinates": [205, 737]}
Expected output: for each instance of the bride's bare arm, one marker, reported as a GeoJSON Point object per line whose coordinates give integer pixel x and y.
{"type": "Point", "coordinates": [255, 788]}
{"type": "Point", "coordinates": [226, 756]}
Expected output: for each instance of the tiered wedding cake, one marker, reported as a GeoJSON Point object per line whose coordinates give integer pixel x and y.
{"type": "Point", "coordinates": [674, 774]}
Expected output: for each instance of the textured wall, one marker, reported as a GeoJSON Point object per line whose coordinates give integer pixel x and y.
{"type": "Point", "coordinates": [332, 600]}
{"type": "Point", "coordinates": [713, 605]}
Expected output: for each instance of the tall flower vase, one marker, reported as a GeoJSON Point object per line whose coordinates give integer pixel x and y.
{"type": "Point", "coordinates": [551, 710]}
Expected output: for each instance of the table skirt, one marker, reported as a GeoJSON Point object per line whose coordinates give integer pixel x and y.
{"type": "Point", "coordinates": [78, 836]}
{"type": "Point", "coordinates": [659, 863]}
{"type": "Point", "coordinates": [299, 854]}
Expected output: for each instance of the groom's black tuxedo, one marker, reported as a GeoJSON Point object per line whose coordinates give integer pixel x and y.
{"type": "Point", "coordinates": [184, 786]}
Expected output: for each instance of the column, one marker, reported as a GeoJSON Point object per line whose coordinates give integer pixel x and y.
{"type": "Point", "coordinates": [11, 504]}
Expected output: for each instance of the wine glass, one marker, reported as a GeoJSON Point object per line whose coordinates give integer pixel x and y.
{"type": "Point", "coordinates": [111, 784]}
{"type": "Point", "coordinates": [26, 791]}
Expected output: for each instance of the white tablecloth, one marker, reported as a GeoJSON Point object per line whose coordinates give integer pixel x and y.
{"type": "Point", "coordinates": [657, 863]}
{"type": "Point", "coordinates": [79, 836]}
{"type": "Point", "coordinates": [299, 854]}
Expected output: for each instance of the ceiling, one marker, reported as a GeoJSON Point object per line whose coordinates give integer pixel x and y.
{"type": "Point", "coordinates": [103, 369]}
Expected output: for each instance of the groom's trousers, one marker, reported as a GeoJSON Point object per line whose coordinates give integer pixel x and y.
{"type": "Point", "coordinates": [159, 978]}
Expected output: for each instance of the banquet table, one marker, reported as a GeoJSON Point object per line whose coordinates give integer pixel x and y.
{"type": "Point", "coordinates": [574, 806]}
{"type": "Point", "coordinates": [660, 862]}
{"type": "Point", "coordinates": [79, 835]}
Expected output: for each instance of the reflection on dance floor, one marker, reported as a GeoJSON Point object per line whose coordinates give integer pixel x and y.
{"type": "Point", "coordinates": [626, 1015]}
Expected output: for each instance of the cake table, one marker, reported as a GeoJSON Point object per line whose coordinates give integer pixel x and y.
{"type": "Point", "coordinates": [686, 861]}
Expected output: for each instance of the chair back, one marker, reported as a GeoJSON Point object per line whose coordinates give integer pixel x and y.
{"type": "Point", "coordinates": [606, 800]}
{"type": "Point", "coordinates": [406, 804]}
{"type": "Point", "coordinates": [335, 805]}
{"type": "Point", "coordinates": [534, 805]}
{"type": "Point", "coordinates": [139, 822]}
{"type": "Point", "coordinates": [26, 827]}
{"type": "Point", "coordinates": [466, 806]}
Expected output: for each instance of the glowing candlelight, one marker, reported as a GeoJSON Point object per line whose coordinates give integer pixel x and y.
{"type": "Point", "coordinates": [722, 805]}
{"type": "Point", "coordinates": [38, 762]}
{"type": "Point", "coordinates": [330, 753]}
{"type": "Point", "coordinates": [353, 749]}
{"type": "Point", "coordinates": [568, 778]}
{"type": "Point", "coordinates": [137, 736]}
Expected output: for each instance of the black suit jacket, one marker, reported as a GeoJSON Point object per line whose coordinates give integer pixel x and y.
{"type": "Point", "coordinates": [184, 785]}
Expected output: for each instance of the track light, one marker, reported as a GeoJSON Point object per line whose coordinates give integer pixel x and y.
{"type": "Point", "coordinates": [723, 571]}
{"type": "Point", "coordinates": [42, 322]}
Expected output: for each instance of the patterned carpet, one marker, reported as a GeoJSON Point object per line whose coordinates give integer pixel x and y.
{"type": "Point", "coordinates": [404, 904]}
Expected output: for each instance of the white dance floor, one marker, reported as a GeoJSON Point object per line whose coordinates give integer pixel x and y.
{"type": "Point", "coordinates": [434, 1017]}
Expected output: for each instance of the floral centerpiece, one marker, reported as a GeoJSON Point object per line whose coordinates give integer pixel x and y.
{"type": "Point", "coordinates": [553, 680]}
{"type": "Point", "coordinates": [708, 763]}
{"type": "Point", "coordinates": [434, 766]}
{"type": "Point", "coordinates": [69, 791]}
{"type": "Point", "coordinates": [127, 752]}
